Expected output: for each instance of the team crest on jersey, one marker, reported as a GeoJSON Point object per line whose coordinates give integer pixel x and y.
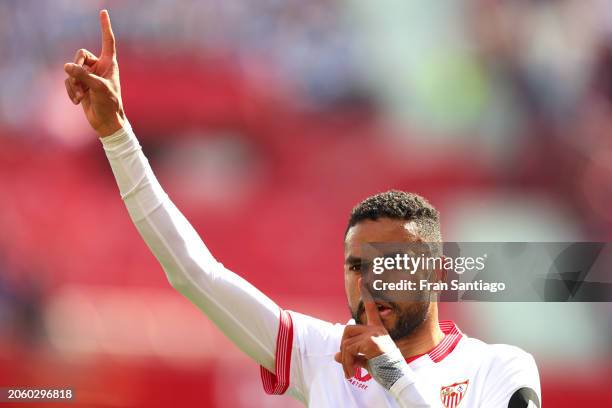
{"type": "Point", "coordinates": [451, 395]}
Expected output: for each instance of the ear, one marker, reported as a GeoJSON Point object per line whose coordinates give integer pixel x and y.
{"type": "Point", "coordinates": [441, 274]}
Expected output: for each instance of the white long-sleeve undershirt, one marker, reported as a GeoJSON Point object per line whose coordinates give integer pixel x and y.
{"type": "Point", "coordinates": [245, 315]}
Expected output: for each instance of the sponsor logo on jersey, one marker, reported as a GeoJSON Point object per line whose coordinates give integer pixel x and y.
{"type": "Point", "coordinates": [451, 395]}
{"type": "Point", "coordinates": [362, 375]}
{"type": "Point", "coordinates": [360, 378]}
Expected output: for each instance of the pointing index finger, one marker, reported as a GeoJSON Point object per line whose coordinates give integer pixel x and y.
{"type": "Point", "coordinates": [371, 309]}
{"type": "Point", "coordinates": [108, 38]}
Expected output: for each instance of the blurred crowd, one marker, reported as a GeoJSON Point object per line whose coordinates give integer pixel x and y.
{"type": "Point", "coordinates": [527, 82]}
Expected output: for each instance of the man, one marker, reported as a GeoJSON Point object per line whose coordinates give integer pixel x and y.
{"type": "Point", "coordinates": [391, 354]}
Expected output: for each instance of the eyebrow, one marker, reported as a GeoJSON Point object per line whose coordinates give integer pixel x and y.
{"type": "Point", "coordinates": [352, 260]}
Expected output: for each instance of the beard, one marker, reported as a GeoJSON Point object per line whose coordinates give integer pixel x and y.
{"type": "Point", "coordinates": [408, 317]}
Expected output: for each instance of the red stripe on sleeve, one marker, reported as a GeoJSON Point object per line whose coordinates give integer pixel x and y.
{"type": "Point", "coordinates": [278, 382]}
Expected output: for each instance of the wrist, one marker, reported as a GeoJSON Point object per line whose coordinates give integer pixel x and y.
{"type": "Point", "coordinates": [388, 368]}
{"type": "Point", "coordinates": [110, 127]}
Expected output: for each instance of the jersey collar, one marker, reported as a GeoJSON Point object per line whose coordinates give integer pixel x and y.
{"type": "Point", "coordinates": [452, 335]}
{"type": "Point", "coordinates": [451, 338]}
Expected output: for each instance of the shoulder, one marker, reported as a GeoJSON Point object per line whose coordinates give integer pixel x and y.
{"type": "Point", "coordinates": [502, 362]}
{"type": "Point", "coordinates": [511, 358]}
{"type": "Point", "coordinates": [498, 354]}
{"type": "Point", "coordinates": [510, 374]}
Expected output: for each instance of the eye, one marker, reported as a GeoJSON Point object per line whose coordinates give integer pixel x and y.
{"type": "Point", "coordinates": [355, 267]}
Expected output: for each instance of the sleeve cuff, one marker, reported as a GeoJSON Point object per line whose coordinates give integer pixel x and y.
{"type": "Point", "coordinates": [277, 383]}
{"type": "Point", "coordinates": [120, 136]}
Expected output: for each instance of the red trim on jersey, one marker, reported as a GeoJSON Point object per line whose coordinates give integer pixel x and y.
{"type": "Point", "coordinates": [452, 335]}
{"type": "Point", "coordinates": [448, 343]}
{"type": "Point", "coordinates": [278, 382]}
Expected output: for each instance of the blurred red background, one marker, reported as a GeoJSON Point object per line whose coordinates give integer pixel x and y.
{"type": "Point", "coordinates": [266, 123]}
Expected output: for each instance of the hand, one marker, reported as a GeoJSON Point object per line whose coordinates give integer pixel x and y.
{"type": "Point", "coordinates": [361, 343]}
{"type": "Point", "coordinates": [94, 83]}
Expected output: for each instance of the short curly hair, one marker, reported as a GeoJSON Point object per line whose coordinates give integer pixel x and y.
{"type": "Point", "coordinates": [399, 205]}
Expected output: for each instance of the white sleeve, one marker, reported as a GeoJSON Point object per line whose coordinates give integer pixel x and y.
{"type": "Point", "coordinates": [314, 343]}
{"type": "Point", "coordinates": [244, 314]}
{"type": "Point", "coordinates": [409, 394]}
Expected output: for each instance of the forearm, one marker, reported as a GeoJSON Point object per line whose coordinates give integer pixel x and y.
{"type": "Point", "coordinates": [243, 313]}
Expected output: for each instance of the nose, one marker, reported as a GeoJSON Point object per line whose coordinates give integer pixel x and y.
{"type": "Point", "coordinates": [364, 291]}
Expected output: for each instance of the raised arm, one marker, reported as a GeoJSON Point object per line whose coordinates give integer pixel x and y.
{"type": "Point", "coordinates": [243, 313]}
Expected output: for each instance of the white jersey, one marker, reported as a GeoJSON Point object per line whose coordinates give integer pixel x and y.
{"type": "Point", "coordinates": [458, 372]}
{"type": "Point", "coordinates": [295, 351]}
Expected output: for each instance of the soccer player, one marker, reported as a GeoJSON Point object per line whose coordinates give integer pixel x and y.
{"type": "Point", "coordinates": [391, 354]}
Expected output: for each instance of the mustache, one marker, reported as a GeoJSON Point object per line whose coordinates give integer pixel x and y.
{"type": "Point", "coordinates": [361, 306]}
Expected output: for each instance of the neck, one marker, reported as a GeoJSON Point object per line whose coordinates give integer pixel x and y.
{"type": "Point", "coordinates": [424, 338]}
